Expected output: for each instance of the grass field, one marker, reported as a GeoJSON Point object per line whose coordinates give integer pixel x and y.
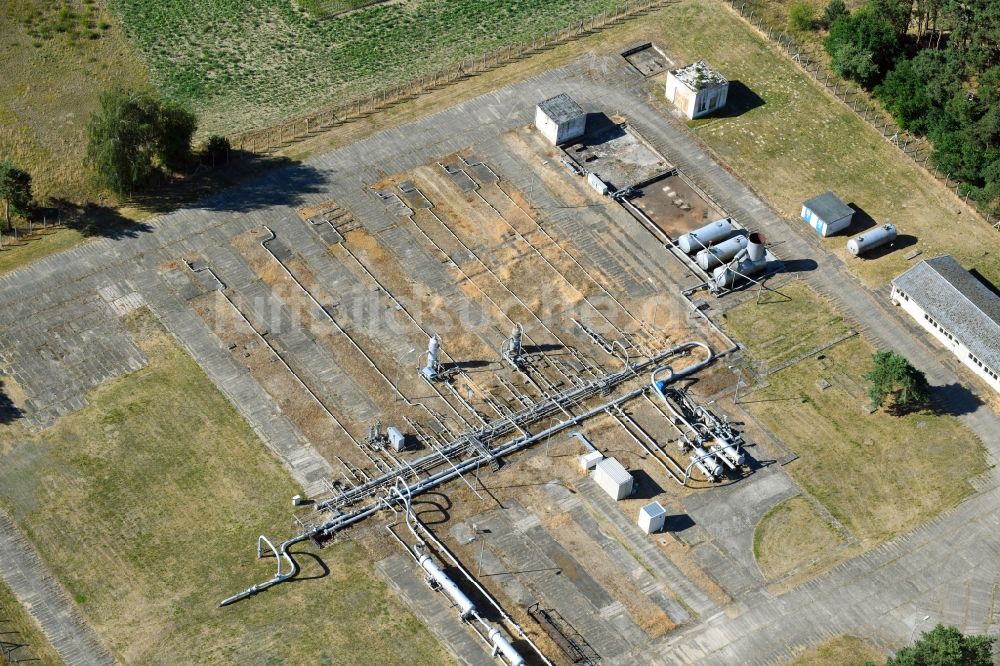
{"type": "Point", "coordinates": [778, 330]}
{"type": "Point", "coordinates": [793, 535]}
{"type": "Point", "coordinates": [24, 630]}
{"type": "Point", "coordinates": [147, 505]}
{"type": "Point", "coordinates": [840, 651]}
{"type": "Point", "coordinates": [51, 85]}
{"type": "Point", "coordinates": [799, 142]}
{"type": "Point", "coordinates": [878, 474]}
{"type": "Point", "coordinates": [321, 8]}
{"type": "Point", "coordinates": [246, 65]}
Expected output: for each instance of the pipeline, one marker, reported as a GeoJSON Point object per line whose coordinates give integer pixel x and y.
{"type": "Point", "coordinates": [344, 520]}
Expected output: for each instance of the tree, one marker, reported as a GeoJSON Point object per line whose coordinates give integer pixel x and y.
{"type": "Point", "coordinates": [15, 190]}
{"type": "Point", "coordinates": [946, 646]}
{"type": "Point", "coordinates": [896, 13]}
{"type": "Point", "coordinates": [216, 148]}
{"type": "Point", "coordinates": [858, 38]}
{"type": "Point", "coordinates": [132, 134]}
{"type": "Point", "coordinates": [892, 375]}
{"type": "Point", "coordinates": [802, 16]}
{"type": "Point", "coordinates": [834, 10]}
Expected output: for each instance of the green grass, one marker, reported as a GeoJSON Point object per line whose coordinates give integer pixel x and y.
{"type": "Point", "coordinates": [879, 475]}
{"type": "Point", "coordinates": [36, 247]}
{"type": "Point", "coordinates": [785, 324]}
{"type": "Point", "coordinates": [793, 534]}
{"type": "Point", "coordinates": [840, 651]}
{"type": "Point", "coordinates": [15, 618]}
{"type": "Point", "coordinates": [147, 504]}
{"type": "Point", "coordinates": [245, 65]}
{"type": "Point", "coordinates": [801, 142]}
{"type": "Point", "coordinates": [321, 8]}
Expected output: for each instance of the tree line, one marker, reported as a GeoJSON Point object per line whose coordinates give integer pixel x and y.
{"type": "Point", "coordinates": [935, 65]}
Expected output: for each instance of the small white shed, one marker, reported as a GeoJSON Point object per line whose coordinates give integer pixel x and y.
{"type": "Point", "coordinates": [697, 89]}
{"type": "Point", "coordinates": [590, 459]}
{"type": "Point", "coordinates": [827, 214]}
{"type": "Point", "coordinates": [613, 478]}
{"type": "Point", "coordinates": [560, 119]}
{"type": "Point", "coordinates": [652, 517]}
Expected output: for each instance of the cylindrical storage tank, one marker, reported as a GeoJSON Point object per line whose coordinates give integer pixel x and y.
{"type": "Point", "coordinates": [728, 453]}
{"type": "Point", "coordinates": [503, 646]}
{"type": "Point", "coordinates": [872, 239]}
{"type": "Point", "coordinates": [465, 605]}
{"type": "Point", "coordinates": [724, 276]}
{"type": "Point", "coordinates": [701, 238]}
{"type": "Point", "coordinates": [721, 253]}
{"type": "Point", "coordinates": [706, 462]}
{"type": "Point", "coordinates": [755, 247]}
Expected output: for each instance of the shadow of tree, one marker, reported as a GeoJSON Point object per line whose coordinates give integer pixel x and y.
{"type": "Point", "coordinates": [91, 219]}
{"type": "Point", "coordinates": [9, 412]}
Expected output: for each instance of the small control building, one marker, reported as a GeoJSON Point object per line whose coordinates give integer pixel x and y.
{"type": "Point", "coordinates": [613, 478]}
{"type": "Point", "coordinates": [827, 214]}
{"type": "Point", "coordinates": [560, 119]}
{"type": "Point", "coordinates": [697, 89]}
{"type": "Point", "coordinates": [958, 310]}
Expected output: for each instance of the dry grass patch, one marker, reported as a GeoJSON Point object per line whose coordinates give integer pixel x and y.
{"type": "Point", "coordinates": [793, 535]}
{"type": "Point", "coordinates": [880, 475]}
{"type": "Point", "coordinates": [146, 505]}
{"type": "Point", "coordinates": [840, 651]}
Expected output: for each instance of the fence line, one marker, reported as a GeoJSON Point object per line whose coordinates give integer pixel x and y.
{"type": "Point", "coordinates": [917, 148]}
{"type": "Point", "coordinates": [265, 141]}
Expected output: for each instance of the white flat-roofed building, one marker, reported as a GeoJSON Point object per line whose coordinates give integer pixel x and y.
{"type": "Point", "coordinates": [560, 119]}
{"type": "Point", "coordinates": [697, 89]}
{"type": "Point", "coordinates": [613, 478]}
{"type": "Point", "coordinates": [958, 310]}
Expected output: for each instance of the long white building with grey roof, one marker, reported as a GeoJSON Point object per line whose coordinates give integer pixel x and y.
{"type": "Point", "coordinates": [961, 312]}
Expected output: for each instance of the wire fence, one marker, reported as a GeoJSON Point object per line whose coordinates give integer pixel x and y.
{"type": "Point", "coordinates": [809, 58]}
{"type": "Point", "coordinates": [265, 141]}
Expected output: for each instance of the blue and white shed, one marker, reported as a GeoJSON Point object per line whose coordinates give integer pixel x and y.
{"type": "Point", "coordinates": [827, 214]}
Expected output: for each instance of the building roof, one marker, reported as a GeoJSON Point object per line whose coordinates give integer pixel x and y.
{"type": "Point", "coordinates": [614, 470]}
{"type": "Point", "coordinates": [699, 75]}
{"type": "Point", "coordinates": [956, 300]}
{"type": "Point", "coordinates": [653, 510]}
{"type": "Point", "coordinates": [828, 207]}
{"type": "Point", "coordinates": [561, 108]}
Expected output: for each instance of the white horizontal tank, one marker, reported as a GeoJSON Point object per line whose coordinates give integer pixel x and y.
{"type": "Point", "coordinates": [707, 235]}
{"type": "Point", "coordinates": [504, 647]}
{"type": "Point", "coordinates": [464, 604]}
{"type": "Point", "coordinates": [721, 253]}
{"type": "Point", "coordinates": [871, 239]}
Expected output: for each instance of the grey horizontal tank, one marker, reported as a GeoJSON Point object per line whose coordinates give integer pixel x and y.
{"type": "Point", "coordinates": [721, 253]}
{"type": "Point", "coordinates": [706, 462]}
{"type": "Point", "coordinates": [503, 646]}
{"type": "Point", "coordinates": [464, 604]}
{"type": "Point", "coordinates": [746, 263]}
{"type": "Point", "coordinates": [709, 234]}
{"type": "Point", "coordinates": [871, 239]}
{"type": "Point", "coordinates": [728, 453]}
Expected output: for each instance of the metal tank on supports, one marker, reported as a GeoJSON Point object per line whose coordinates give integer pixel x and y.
{"type": "Point", "coordinates": [719, 254]}
{"type": "Point", "coordinates": [748, 262]}
{"type": "Point", "coordinates": [465, 606]}
{"type": "Point", "coordinates": [729, 454]}
{"type": "Point", "coordinates": [707, 235]}
{"type": "Point", "coordinates": [872, 239]}
{"type": "Point", "coordinates": [432, 367]}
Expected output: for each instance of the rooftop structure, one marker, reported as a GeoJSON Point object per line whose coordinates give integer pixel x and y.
{"type": "Point", "coordinates": [697, 89]}
{"type": "Point", "coordinates": [957, 309]}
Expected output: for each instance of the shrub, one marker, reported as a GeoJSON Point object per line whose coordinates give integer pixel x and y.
{"type": "Point", "coordinates": [802, 16]}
